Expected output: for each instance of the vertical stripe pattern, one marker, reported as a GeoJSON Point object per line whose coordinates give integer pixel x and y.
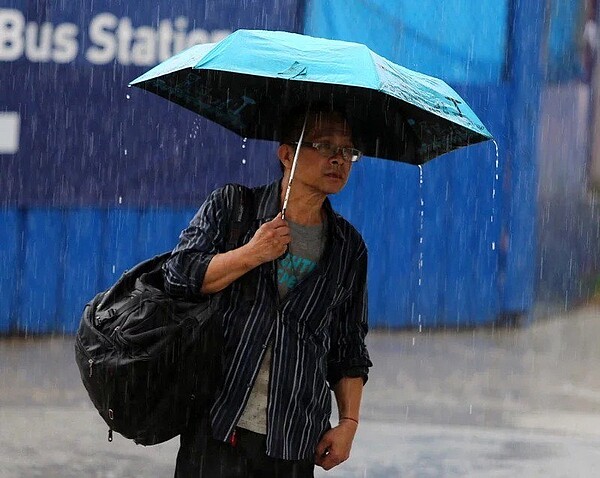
{"type": "Point", "coordinates": [318, 330]}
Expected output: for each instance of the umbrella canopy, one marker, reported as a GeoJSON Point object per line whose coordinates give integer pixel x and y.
{"type": "Point", "coordinates": [249, 80]}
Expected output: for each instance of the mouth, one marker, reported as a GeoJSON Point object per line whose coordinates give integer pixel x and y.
{"type": "Point", "coordinates": [334, 176]}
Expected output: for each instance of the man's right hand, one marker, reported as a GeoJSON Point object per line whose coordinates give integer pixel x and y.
{"type": "Point", "coordinates": [270, 241]}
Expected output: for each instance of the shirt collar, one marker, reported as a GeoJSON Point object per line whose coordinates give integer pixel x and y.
{"type": "Point", "coordinates": [267, 207]}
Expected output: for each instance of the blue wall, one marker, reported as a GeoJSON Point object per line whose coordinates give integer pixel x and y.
{"type": "Point", "coordinates": [54, 261]}
{"type": "Point", "coordinates": [103, 176]}
{"type": "Point", "coordinates": [472, 259]}
{"type": "Point", "coordinates": [90, 191]}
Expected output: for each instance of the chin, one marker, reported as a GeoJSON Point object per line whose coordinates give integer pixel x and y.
{"type": "Point", "coordinates": [332, 189]}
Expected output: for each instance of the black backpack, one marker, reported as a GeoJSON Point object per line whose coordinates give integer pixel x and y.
{"type": "Point", "coordinates": [150, 362]}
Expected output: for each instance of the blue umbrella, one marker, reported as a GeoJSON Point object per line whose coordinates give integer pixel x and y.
{"type": "Point", "coordinates": [250, 79]}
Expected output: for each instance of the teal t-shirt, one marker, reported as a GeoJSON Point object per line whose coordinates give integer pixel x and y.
{"type": "Point", "coordinates": [306, 248]}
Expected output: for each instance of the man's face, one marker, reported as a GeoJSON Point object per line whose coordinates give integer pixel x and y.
{"type": "Point", "coordinates": [318, 172]}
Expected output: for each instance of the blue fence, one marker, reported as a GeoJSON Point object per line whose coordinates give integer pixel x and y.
{"type": "Point", "coordinates": [471, 259]}
{"type": "Point", "coordinates": [54, 261]}
{"type": "Point", "coordinates": [90, 190]}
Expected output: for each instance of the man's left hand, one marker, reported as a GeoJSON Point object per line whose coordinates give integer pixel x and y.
{"type": "Point", "coordinates": [334, 447]}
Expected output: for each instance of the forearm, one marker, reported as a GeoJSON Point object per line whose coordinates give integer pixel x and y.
{"type": "Point", "coordinates": [348, 394]}
{"type": "Point", "coordinates": [227, 267]}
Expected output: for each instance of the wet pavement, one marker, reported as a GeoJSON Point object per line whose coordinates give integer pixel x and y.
{"type": "Point", "coordinates": [483, 403]}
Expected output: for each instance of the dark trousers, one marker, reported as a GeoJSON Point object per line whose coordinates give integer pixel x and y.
{"type": "Point", "coordinates": [201, 456]}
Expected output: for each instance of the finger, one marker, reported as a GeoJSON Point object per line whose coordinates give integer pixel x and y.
{"type": "Point", "coordinates": [329, 462]}
{"type": "Point", "coordinates": [278, 221]}
{"type": "Point", "coordinates": [282, 231]}
{"type": "Point", "coordinates": [321, 458]}
{"type": "Point", "coordinates": [322, 448]}
{"type": "Point", "coordinates": [285, 239]}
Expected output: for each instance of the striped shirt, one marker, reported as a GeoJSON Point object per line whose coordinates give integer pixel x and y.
{"type": "Point", "coordinates": [317, 331]}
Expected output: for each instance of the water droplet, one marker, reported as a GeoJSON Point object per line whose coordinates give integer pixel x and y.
{"type": "Point", "coordinates": [243, 161]}
{"type": "Point", "coordinates": [245, 139]}
{"type": "Point", "coordinates": [128, 97]}
{"type": "Point", "coordinates": [125, 152]}
{"type": "Point", "coordinates": [493, 246]}
{"type": "Point", "coordinates": [114, 268]}
{"type": "Point", "coordinates": [243, 146]}
{"type": "Point", "coordinates": [421, 229]}
{"type": "Point", "coordinates": [120, 199]}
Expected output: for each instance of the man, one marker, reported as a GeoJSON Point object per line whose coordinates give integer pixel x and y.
{"type": "Point", "coordinates": [295, 318]}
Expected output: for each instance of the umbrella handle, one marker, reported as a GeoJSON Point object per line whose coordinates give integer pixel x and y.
{"type": "Point", "coordinates": [293, 171]}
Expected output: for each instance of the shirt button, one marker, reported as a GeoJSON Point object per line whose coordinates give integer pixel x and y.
{"type": "Point", "coordinates": [265, 346]}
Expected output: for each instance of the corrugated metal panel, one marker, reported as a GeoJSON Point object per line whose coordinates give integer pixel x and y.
{"type": "Point", "coordinates": [82, 256]}
{"type": "Point", "coordinates": [10, 265]}
{"type": "Point", "coordinates": [43, 271]}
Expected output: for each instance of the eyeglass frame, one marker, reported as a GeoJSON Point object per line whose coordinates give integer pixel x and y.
{"type": "Point", "coordinates": [317, 145]}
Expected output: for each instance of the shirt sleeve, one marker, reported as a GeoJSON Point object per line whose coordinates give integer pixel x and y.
{"type": "Point", "coordinates": [348, 356]}
{"type": "Point", "coordinates": [205, 236]}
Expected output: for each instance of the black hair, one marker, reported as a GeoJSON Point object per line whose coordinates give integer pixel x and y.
{"type": "Point", "coordinates": [293, 120]}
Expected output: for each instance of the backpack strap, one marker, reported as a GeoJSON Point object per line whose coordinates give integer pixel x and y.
{"type": "Point", "coordinates": [240, 215]}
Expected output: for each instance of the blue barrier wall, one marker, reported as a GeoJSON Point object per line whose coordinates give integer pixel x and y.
{"type": "Point", "coordinates": [95, 176]}
{"type": "Point", "coordinates": [89, 191]}
{"type": "Point", "coordinates": [471, 259]}
{"type": "Point", "coordinates": [54, 261]}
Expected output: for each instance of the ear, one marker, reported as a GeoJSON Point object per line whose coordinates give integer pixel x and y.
{"type": "Point", "coordinates": [285, 155]}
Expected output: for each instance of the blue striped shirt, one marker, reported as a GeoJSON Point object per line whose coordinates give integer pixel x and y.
{"type": "Point", "coordinates": [317, 331]}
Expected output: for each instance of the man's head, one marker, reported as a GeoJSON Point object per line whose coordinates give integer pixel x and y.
{"type": "Point", "coordinates": [327, 150]}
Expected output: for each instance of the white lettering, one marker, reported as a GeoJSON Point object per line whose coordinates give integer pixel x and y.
{"type": "Point", "coordinates": [12, 24]}
{"type": "Point", "coordinates": [180, 40]}
{"type": "Point", "coordinates": [218, 35]}
{"type": "Point", "coordinates": [196, 37]}
{"type": "Point", "coordinates": [124, 36]}
{"type": "Point", "coordinates": [111, 39]}
{"type": "Point", "coordinates": [38, 42]}
{"type": "Point", "coordinates": [66, 45]}
{"type": "Point", "coordinates": [105, 44]}
{"type": "Point", "coordinates": [143, 50]}
{"type": "Point", "coordinates": [165, 37]}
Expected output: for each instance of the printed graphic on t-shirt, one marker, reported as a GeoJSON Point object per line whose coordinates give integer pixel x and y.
{"type": "Point", "coordinates": [292, 269]}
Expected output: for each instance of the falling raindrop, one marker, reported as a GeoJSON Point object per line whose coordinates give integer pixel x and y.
{"type": "Point", "coordinates": [494, 187]}
{"type": "Point", "coordinates": [421, 228]}
{"type": "Point", "coordinates": [114, 268]}
{"type": "Point", "coordinates": [128, 96]}
{"type": "Point", "coordinates": [120, 199]}
{"type": "Point", "coordinates": [244, 147]}
{"type": "Point", "coordinates": [125, 152]}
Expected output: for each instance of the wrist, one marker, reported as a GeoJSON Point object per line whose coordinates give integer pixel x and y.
{"type": "Point", "coordinates": [349, 420]}
{"type": "Point", "coordinates": [248, 258]}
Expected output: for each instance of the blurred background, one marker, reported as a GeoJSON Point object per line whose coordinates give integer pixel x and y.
{"type": "Point", "coordinates": [96, 176]}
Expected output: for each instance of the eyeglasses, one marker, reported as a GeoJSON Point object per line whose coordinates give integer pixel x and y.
{"type": "Point", "coordinates": [328, 150]}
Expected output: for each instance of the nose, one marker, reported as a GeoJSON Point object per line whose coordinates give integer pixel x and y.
{"type": "Point", "coordinates": [337, 158]}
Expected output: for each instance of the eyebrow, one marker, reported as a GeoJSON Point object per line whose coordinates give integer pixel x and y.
{"type": "Point", "coordinates": [316, 138]}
